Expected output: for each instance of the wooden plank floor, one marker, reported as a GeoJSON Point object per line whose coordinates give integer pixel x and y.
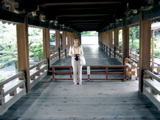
{"type": "Point", "coordinates": [94, 55]}
{"type": "Point", "coordinates": [94, 100]}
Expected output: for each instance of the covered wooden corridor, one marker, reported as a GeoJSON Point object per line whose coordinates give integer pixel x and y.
{"type": "Point", "coordinates": [94, 100]}
{"type": "Point", "coordinates": [33, 92]}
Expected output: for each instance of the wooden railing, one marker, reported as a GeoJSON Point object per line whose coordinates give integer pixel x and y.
{"type": "Point", "coordinates": [134, 56]}
{"type": "Point", "coordinates": [54, 56]}
{"type": "Point", "coordinates": [151, 87]}
{"type": "Point", "coordinates": [62, 54]}
{"type": "Point", "coordinates": [132, 69]}
{"type": "Point", "coordinates": [88, 71]}
{"type": "Point", "coordinates": [11, 90]}
{"type": "Point", "coordinates": [38, 72]}
{"type": "Point", "coordinates": [118, 54]}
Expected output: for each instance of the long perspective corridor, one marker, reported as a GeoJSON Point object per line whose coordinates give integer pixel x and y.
{"type": "Point", "coordinates": [94, 100]}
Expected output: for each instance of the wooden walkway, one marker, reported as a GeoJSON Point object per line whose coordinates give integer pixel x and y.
{"type": "Point", "coordinates": [94, 100]}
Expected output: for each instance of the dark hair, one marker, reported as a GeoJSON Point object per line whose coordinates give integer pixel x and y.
{"type": "Point", "coordinates": [76, 39]}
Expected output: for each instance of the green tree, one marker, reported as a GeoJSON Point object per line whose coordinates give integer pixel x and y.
{"type": "Point", "coordinates": [134, 37]}
{"type": "Point", "coordinates": [8, 43]}
{"type": "Point", "coordinates": [89, 33]}
{"type": "Point", "coordinates": [35, 43]}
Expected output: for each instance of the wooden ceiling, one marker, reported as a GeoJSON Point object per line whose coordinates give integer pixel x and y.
{"type": "Point", "coordinates": [81, 15]}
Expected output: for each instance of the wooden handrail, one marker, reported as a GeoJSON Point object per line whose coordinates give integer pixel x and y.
{"type": "Point", "coordinates": [152, 75]}
{"type": "Point", "coordinates": [105, 71]}
{"type": "Point", "coordinates": [38, 64]}
{"type": "Point", "coordinates": [151, 87]}
{"type": "Point", "coordinates": [11, 78]}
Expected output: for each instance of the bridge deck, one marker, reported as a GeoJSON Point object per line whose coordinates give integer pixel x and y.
{"type": "Point", "coordinates": [94, 100]}
{"type": "Point", "coordinates": [94, 56]}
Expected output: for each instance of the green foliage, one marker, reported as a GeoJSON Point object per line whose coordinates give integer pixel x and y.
{"type": "Point", "coordinates": [37, 50]}
{"type": "Point", "coordinates": [8, 44]}
{"type": "Point", "coordinates": [134, 38]}
{"type": "Point", "coordinates": [89, 33]}
{"type": "Point", "coordinates": [35, 43]}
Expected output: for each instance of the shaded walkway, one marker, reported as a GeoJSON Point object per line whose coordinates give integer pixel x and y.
{"type": "Point", "coordinates": [94, 56]}
{"type": "Point", "coordinates": [95, 100]}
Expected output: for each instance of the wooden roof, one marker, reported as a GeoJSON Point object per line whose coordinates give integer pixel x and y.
{"type": "Point", "coordinates": [81, 15]}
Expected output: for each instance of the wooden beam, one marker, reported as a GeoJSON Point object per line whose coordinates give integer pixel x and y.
{"type": "Point", "coordinates": [132, 21]}
{"type": "Point", "coordinates": [81, 3]}
{"type": "Point", "coordinates": [9, 16]}
{"type": "Point", "coordinates": [151, 14]}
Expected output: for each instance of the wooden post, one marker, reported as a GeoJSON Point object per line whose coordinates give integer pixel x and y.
{"type": "Point", "coordinates": [110, 41]}
{"type": "Point", "coordinates": [64, 40]}
{"type": "Point", "coordinates": [145, 45]}
{"type": "Point", "coordinates": [115, 41]}
{"type": "Point", "coordinates": [125, 41]}
{"type": "Point", "coordinates": [23, 51]}
{"type": "Point", "coordinates": [46, 45]}
{"type": "Point", "coordinates": [115, 37]}
{"type": "Point", "coordinates": [57, 36]}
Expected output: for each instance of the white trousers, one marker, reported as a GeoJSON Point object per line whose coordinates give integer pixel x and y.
{"type": "Point", "coordinates": [76, 68]}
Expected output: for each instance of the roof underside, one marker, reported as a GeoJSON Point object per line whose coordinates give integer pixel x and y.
{"type": "Point", "coordinates": [82, 15]}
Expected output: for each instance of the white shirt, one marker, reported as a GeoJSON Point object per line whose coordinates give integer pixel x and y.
{"type": "Point", "coordinates": [78, 50]}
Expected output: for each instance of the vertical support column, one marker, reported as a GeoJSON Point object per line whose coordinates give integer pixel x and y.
{"type": "Point", "coordinates": [57, 35]}
{"type": "Point", "coordinates": [64, 40]}
{"type": "Point", "coordinates": [116, 39]}
{"type": "Point", "coordinates": [46, 45]}
{"type": "Point", "coordinates": [125, 41]}
{"type": "Point", "coordinates": [23, 51]}
{"type": "Point", "coordinates": [145, 45]}
{"type": "Point", "coordinates": [110, 41]}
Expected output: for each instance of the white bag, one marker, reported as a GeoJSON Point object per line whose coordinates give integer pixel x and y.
{"type": "Point", "coordinates": [82, 60]}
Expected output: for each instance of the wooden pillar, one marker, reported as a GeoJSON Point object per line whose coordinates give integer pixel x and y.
{"type": "Point", "coordinates": [110, 41]}
{"type": "Point", "coordinates": [110, 38]}
{"type": "Point", "coordinates": [116, 41]}
{"type": "Point", "coordinates": [145, 45]}
{"type": "Point", "coordinates": [23, 51]}
{"type": "Point", "coordinates": [46, 44]}
{"type": "Point", "coordinates": [115, 37]}
{"type": "Point", "coordinates": [57, 35]}
{"type": "Point", "coordinates": [64, 40]}
{"type": "Point", "coordinates": [125, 41]}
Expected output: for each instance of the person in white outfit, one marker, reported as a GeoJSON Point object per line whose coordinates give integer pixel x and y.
{"type": "Point", "coordinates": [76, 51]}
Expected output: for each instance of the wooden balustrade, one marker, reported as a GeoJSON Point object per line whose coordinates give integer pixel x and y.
{"type": "Point", "coordinates": [134, 56]}
{"type": "Point", "coordinates": [118, 55]}
{"type": "Point", "coordinates": [132, 70]}
{"type": "Point", "coordinates": [91, 70]}
{"type": "Point", "coordinates": [151, 87]}
{"type": "Point", "coordinates": [112, 52]}
{"type": "Point", "coordinates": [11, 90]}
{"type": "Point", "coordinates": [62, 54]}
{"type": "Point", "coordinates": [54, 56]}
{"type": "Point", "coordinates": [67, 51]}
{"type": "Point", "coordinates": [38, 72]}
